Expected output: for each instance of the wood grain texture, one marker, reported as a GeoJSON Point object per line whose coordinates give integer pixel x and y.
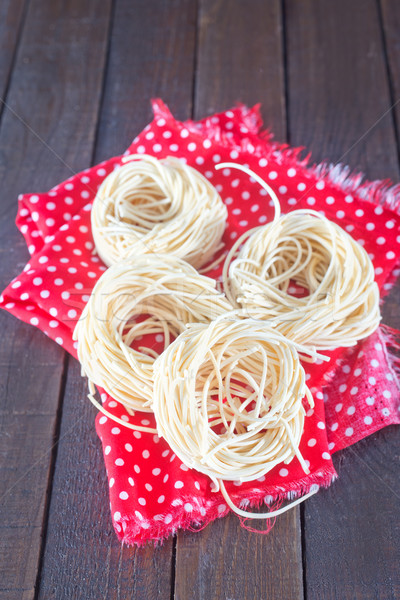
{"type": "Point", "coordinates": [50, 113]}
{"type": "Point", "coordinates": [83, 557]}
{"type": "Point", "coordinates": [338, 92]}
{"type": "Point", "coordinates": [226, 561]}
{"type": "Point", "coordinates": [339, 101]}
{"type": "Point", "coordinates": [11, 22]}
{"type": "Point", "coordinates": [390, 12]}
{"type": "Point", "coordinates": [337, 83]}
{"type": "Point", "coordinates": [155, 59]}
{"type": "Point", "coordinates": [48, 129]}
{"type": "Point", "coordinates": [352, 529]}
{"type": "Point", "coordinates": [239, 57]}
{"type": "Point", "coordinates": [15, 577]}
{"type": "Point", "coordinates": [82, 551]}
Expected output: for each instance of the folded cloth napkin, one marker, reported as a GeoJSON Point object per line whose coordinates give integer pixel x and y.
{"type": "Point", "coordinates": [151, 492]}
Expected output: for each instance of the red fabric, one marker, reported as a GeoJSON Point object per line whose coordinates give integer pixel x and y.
{"type": "Point", "coordinates": [152, 493]}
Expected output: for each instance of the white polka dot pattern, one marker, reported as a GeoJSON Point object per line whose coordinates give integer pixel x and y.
{"type": "Point", "coordinates": [150, 492]}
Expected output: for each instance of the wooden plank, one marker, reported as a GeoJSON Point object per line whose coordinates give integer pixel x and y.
{"type": "Point", "coordinates": [337, 83]}
{"type": "Point", "coordinates": [11, 22]}
{"type": "Point", "coordinates": [82, 550]}
{"type": "Point", "coordinates": [339, 105]}
{"type": "Point", "coordinates": [51, 112]}
{"type": "Point", "coordinates": [352, 529]}
{"type": "Point", "coordinates": [390, 12]}
{"type": "Point", "coordinates": [240, 58]}
{"type": "Point", "coordinates": [226, 561]}
{"type": "Point", "coordinates": [25, 451]}
{"type": "Point", "coordinates": [156, 59]}
{"type": "Point", "coordinates": [15, 577]}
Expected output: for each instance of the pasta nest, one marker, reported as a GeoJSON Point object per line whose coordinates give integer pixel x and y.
{"type": "Point", "coordinates": [161, 206]}
{"type": "Point", "coordinates": [150, 295]}
{"type": "Point", "coordinates": [335, 301]}
{"type": "Point", "coordinates": [228, 398]}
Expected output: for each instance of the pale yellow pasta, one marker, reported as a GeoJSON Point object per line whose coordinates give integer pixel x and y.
{"type": "Point", "coordinates": [340, 302]}
{"type": "Point", "coordinates": [228, 394]}
{"type": "Point", "coordinates": [228, 398]}
{"type": "Point", "coordinates": [157, 206]}
{"type": "Point", "coordinates": [149, 295]}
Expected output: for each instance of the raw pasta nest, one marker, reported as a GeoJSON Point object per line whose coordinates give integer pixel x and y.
{"type": "Point", "coordinates": [161, 206]}
{"type": "Point", "coordinates": [150, 295]}
{"type": "Point", "coordinates": [228, 398]}
{"type": "Point", "coordinates": [337, 300]}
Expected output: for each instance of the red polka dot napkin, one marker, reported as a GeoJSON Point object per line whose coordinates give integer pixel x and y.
{"type": "Point", "coordinates": [152, 493]}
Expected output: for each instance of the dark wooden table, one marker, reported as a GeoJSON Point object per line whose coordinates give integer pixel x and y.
{"type": "Point", "coordinates": [76, 77]}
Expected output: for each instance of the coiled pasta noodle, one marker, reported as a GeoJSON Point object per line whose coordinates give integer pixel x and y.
{"type": "Point", "coordinates": [150, 295]}
{"type": "Point", "coordinates": [228, 400]}
{"type": "Point", "coordinates": [157, 206]}
{"type": "Point", "coordinates": [228, 393]}
{"type": "Point", "coordinates": [340, 300]}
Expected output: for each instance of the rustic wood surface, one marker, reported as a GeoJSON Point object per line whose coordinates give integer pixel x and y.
{"type": "Point", "coordinates": [76, 78]}
{"type": "Point", "coordinates": [326, 89]}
